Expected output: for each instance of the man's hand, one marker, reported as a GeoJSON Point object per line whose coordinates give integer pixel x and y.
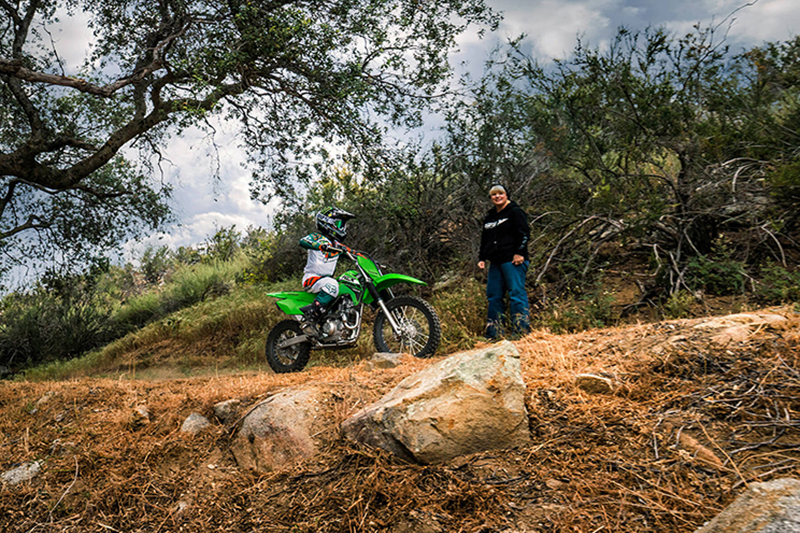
{"type": "Point", "coordinates": [518, 259]}
{"type": "Point", "coordinates": [481, 264]}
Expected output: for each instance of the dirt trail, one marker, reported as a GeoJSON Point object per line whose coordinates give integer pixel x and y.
{"type": "Point", "coordinates": [697, 410]}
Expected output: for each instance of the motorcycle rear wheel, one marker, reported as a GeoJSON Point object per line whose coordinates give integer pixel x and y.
{"type": "Point", "coordinates": [292, 358]}
{"type": "Point", "coordinates": [420, 329]}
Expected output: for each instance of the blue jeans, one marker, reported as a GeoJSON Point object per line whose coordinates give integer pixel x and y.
{"type": "Point", "coordinates": [507, 277]}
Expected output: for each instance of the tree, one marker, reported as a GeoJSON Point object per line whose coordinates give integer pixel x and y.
{"type": "Point", "coordinates": [296, 74]}
{"type": "Point", "coordinates": [657, 142]}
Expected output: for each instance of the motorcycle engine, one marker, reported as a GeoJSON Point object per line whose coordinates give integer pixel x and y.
{"type": "Point", "coordinates": [331, 328]}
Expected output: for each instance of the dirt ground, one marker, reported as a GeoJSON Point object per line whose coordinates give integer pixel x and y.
{"type": "Point", "coordinates": [699, 409]}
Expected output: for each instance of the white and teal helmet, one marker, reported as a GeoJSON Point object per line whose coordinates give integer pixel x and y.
{"type": "Point", "coordinates": [332, 222]}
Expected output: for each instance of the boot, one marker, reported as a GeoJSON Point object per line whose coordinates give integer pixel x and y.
{"type": "Point", "coordinates": [312, 313]}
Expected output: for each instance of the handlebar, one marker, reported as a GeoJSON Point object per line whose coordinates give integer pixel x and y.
{"type": "Point", "coordinates": [351, 254]}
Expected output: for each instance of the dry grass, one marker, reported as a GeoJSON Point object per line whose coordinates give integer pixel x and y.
{"type": "Point", "coordinates": [689, 424]}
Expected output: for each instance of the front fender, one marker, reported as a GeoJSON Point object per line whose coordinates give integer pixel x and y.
{"type": "Point", "coordinates": [389, 280]}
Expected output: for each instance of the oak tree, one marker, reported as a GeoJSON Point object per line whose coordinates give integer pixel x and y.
{"type": "Point", "coordinates": [297, 75]}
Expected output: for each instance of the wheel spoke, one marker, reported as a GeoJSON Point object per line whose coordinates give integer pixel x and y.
{"type": "Point", "coordinates": [412, 335]}
{"type": "Point", "coordinates": [418, 330]}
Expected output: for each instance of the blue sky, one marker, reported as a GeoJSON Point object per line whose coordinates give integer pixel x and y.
{"type": "Point", "coordinates": [552, 26]}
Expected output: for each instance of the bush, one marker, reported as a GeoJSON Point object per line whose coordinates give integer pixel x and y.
{"type": "Point", "coordinates": [720, 278]}
{"type": "Point", "coordinates": [778, 285]}
{"type": "Point", "coordinates": [462, 312]}
{"type": "Point", "coordinates": [679, 305]}
{"type": "Point", "coordinates": [41, 327]}
{"type": "Point", "coordinates": [138, 311]}
{"type": "Point", "coordinates": [156, 263]}
{"type": "Point", "coordinates": [593, 309]}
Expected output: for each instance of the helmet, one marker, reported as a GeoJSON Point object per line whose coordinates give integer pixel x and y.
{"type": "Point", "coordinates": [332, 222]}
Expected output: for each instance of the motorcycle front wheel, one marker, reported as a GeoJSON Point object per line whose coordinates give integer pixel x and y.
{"type": "Point", "coordinates": [419, 328]}
{"type": "Point", "coordinates": [287, 358]}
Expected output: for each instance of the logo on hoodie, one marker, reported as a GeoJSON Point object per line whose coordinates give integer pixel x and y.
{"type": "Point", "coordinates": [494, 224]}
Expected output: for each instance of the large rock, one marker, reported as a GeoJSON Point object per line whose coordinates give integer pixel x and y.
{"type": "Point", "coordinates": [739, 327]}
{"type": "Point", "coordinates": [470, 402]}
{"type": "Point", "coordinates": [772, 507]}
{"type": "Point", "coordinates": [279, 431]}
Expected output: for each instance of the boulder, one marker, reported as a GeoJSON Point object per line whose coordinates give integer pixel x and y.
{"type": "Point", "coordinates": [280, 431]}
{"type": "Point", "coordinates": [772, 507]}
{"type": "Point", "coordinates": [469, 402]}
{"type": "Point", "coordinates": [739, 327]}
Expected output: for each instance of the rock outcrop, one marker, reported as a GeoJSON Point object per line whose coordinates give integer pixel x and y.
{"type": "Point", "coordinates": [470, 402]}
{"type": "Point", "coordinates": [739, 327]}
{"type": "Point", "coordinates": [772, 507]}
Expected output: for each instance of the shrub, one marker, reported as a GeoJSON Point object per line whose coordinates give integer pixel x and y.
{"type": "Point", "coordinates": [679, 305]}
{"type": "Point", "coordinates": [462, 312]}
{"type": "Point", "coordinates": [778, 285]}
{"type": "Point", "coordinates": [138, 311]}
{"type": "Point", "coordinates": [593, 309]}
{"type": "Point", "coordinates": [720, 278]}
{"type": "Point", "coordinates": [41, 327]}
{"type": "Point", "coordinates": [156, 263]}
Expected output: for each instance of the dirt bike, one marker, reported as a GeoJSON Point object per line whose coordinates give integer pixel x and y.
{"type": "Point", "coordinates": [403, 324]}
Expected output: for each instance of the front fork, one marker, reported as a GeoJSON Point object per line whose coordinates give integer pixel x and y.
{"type": "Point", "coordinates": [377, 298]}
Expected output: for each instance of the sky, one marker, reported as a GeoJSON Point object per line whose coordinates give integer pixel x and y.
{"type": "Point", "coordinates": [203, 204]}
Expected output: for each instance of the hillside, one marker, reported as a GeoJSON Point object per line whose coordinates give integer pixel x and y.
{"type": "Point", "coordinates": [700, 408]}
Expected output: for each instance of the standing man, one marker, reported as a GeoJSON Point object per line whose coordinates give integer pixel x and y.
{"type": "Point", "coordinates": [504, 243]}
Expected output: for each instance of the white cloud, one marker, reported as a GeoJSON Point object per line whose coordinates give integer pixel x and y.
{"type": "Point", "coordinates": [72, 38]}
{"type": "Point", "coordinates": [767, 20]}
{"type": "Point", "coordinates": [551, 25]}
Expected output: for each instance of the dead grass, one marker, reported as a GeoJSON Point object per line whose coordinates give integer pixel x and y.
{"type": "Point", "coordinates": [689, 424]}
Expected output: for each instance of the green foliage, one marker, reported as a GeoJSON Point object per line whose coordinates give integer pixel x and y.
{"type": "Point", "coordinates": [139, 310]}
{"type": "Point", "coordinates": [224, 333]}
{"type": "Point", "coordinates": [719, 277]}
{"type": "Point", "coordinates": [679, 305]}
{"type": "Point", "coordinates": [785, 181]}
{"type": "Point", "coordinates": [462, 311]}
{"type": "Point", "coordinates": [156, 263]}
{"type": "Point", "coordinates": [224, 245]}
{"type": "Point", "coordinates": [297, 76]}
{"type": "Point", "coordinates": [593, 309]}
{"type": "Point", "coordinates": [194, 283]}
{"type": "Point", "coordinates": [655, 143]}
{"type": "Point", "coordinates": [70, 314]}
{"type": "Point", "coordinates": [778, 285]}
{"type": "Point", "coordinates": [42, 327]}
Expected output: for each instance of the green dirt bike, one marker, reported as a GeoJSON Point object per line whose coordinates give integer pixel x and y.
{"type": "Point", "coordinates": [404, 324]}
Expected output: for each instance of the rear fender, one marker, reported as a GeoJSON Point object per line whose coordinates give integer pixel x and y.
{"type": "Point", "coordinates": [291, 302]}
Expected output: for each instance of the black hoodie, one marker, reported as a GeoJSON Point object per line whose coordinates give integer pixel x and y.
{"type": "Point", "coordinates": [505, 234]}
